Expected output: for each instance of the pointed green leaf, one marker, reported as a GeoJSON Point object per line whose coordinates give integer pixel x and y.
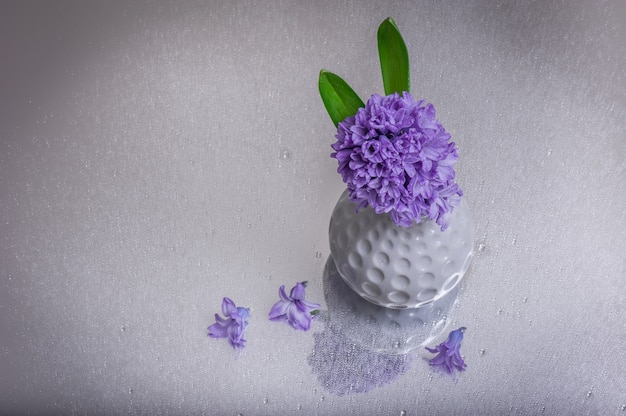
{"type": "Point", "coordinates": [339, 99]}
{"type": "Point", "coordinates": [394, 58]}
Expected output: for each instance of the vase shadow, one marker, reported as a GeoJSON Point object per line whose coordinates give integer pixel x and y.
{"type": "Point", "coordinates": [364, 345]}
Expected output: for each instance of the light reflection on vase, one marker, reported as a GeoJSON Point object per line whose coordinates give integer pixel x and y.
{"type": "Point", "coordinates": [363, 345]}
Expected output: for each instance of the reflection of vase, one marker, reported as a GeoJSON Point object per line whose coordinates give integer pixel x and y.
{"type": "Point", "coordinates": [364, 346]}
{"type": "Point", "coordinates": [399, 267]}
{"type": "Point", "coordinates": [378, 329]}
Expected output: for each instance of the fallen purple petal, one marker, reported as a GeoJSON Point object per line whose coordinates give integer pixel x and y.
{"type": "Point", "coordinates": [294, 309]}
{"type": "Point", "coordinates": [232, 326]}
{"type": "Point", "coordinates": [448, 356]}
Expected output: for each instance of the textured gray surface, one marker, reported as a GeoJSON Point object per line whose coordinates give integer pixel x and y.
{"type": "Point", "coordinates": [157, 156]}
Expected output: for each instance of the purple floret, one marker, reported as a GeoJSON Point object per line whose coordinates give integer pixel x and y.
{"type": "Point", "coordinates": [293, 309]}
{"type": "Point", "coordinates": [448, 356]}
{"type": "Point", "coordinates": [232, 326]}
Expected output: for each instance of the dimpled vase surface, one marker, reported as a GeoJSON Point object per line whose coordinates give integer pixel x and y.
{"type": "Point", "coordinates": [399, 267]}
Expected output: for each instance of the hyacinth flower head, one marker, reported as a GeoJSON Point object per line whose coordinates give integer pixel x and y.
{"type": "Point", "coordinates": [392, 152]}
{"type": "Point", "coordinates": [448, 358]}
{"type": "Point", "coordinates": [232, 325]}
{"type": "Point", "coordinates": [294, 309]}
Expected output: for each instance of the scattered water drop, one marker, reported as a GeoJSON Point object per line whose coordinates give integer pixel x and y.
{"type": "Point", "coordinates": [266, 400]}
{"type": "Point", "coordinates": [500, 311]}
{"type": "Point", "coordinates": [590, 393]}
{"type": "Point", "coordinates": [549, 152]}
{"type": "Point", "coordinates": [299, 407]}
{"type": "Point", "coordinates": [403, 413]}
{"type": "Point", "coordinates": [525, 299]}
{"type": "Point", "coordinates": [482, 351]}
{"type": "Point", "coordinates": [130, 391]}
{"type": "Point", "coordinates": [123, 328]}
{"type": "Point", "coordinates": [286, 154]}
{"type": "Point", "coordinates": [318, 255]}
{"type": "Point", "coordinates": [624, 408]}
{"type": "Point", "coordinates": [322, 399]}
{"type": "Point", "coordinates": [481, 247]}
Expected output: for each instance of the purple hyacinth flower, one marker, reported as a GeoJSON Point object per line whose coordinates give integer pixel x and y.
{"type": "Point", "coordinates": [232, 326]}
{"type": "Point", "coordinates": [293, 309]}
{"type": "Point", "coordinates": [395, 156]}
{"type": "Point", "coordinates": [449, 357]}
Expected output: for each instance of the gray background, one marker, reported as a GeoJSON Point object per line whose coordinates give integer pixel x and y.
{"type": "Point", "coordinates": [157, 156]}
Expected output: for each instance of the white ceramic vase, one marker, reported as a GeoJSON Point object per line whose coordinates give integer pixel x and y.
{"type": "Point", "coordinates": [399, 267]}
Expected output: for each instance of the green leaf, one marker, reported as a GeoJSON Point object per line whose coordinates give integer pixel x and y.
{"type": "Point", "coordinates": [339, 99]}
{"type": "Point", "coordinates": [394, 58]}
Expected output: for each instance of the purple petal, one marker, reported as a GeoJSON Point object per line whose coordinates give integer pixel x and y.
{"type": "Point", "coordinates": [228, 307]}
{"type": "Point", "coordinates": [309, 306]}
{"type": "Point", "coordinates": [218, 329]}
{"type": "Point", "coordinates": [298, 319]}
{"type": "Point", "coordinates": [297, 292]}
{"type": "Point", "coordinates": [283, 295]}
{"type": "Point", "coordinates": [279, 310]}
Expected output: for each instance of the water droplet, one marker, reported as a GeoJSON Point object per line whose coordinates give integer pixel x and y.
{"type": "Point", "coordinates": [130, 391]}
{"type": "Point", "coordinates": [403, 413]}
{"type": "Point", "coordinates": [299, 407]}
{"type": "Point", "coordinates": [482, 351]}
{"type": "Point", "coordinates": [624, 408]}
{"type": "Point", "coordinates": [590, 393]}
{"type": "Point", "coordinates": [481, 247]}
{"type": "Point", "coordinates": [266, 400]}
{"type": "Point", "coordinates": [500, 311]}
{"type": "Point", "coordinates": [525, 299]}
{"type": "Point", "coordinates": [123, 328]}
{"type": "Point", "coordinates": [318, 255]}
{"type": "Point", "coordinates": [549, 152]}
{"type": "Point", "coordinates": [322, 399]}
{"type": "Point", "coordinates": [286, 154]}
